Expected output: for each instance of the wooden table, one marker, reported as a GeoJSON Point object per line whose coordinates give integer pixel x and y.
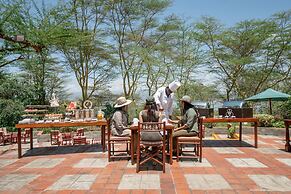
{"type": "Point", "coordinates": [102, 123]}
{"type": "Point", "coordinates": [234, 120]}
{"type": "Point", "coordinates": [169, 129]}
{"type": "Point", "coordinates": [287, 145]}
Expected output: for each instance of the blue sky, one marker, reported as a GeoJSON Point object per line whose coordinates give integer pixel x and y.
{"type": "Point", "coordinates": [228, 12]}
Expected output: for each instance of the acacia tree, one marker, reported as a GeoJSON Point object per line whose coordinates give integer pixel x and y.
{"type": "Point", "coordinates": [12, 49]}
{"type": "Point", "coordinates": [157, 57]}
{"type": "Point", "coordinates": [131, 24]}
{"type": "Point", "coordinates": [41, 32]}
{"type": "Point", "coordinates": [87, 54]}
{"type": "Point", "coordinates": [238, 54]}
{"type": "Point", "coordinates": [187, 56]}
{"type": "Point", "coordinates": [272, 68]}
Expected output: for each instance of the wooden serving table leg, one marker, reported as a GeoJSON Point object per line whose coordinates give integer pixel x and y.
{"type": "Point", "coordinates": [287, 145]}
{"type": "Point", "coordinates": [256, 134]}
{"type": "Point", "coordinates": [132, 146]}
{"type": "Point", "coordinates": [103, 137]}
{"type": "Point", "coordinates": [200, 146]}
{"type": "Point", "coordinates": [19, 142]}
{"type": "Point", "coordinates": [240, 131]}
{"type": "Point", "coordinates": [171, 145]}
{"type": "Point", "coordinates": [31, 138]}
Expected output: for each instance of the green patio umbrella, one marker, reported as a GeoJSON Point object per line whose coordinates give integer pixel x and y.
{"type": "Point", "coordinates": [269, 95]}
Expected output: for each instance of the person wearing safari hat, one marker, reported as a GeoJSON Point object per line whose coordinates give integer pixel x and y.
{"type": "Point", "coordinates": [119, 121]}
{"type": "Point", "coordinates": [188, 122]}
{"type": "Point", "coordinates": [164, 98]}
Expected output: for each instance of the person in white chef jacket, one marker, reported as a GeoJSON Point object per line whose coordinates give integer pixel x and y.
{"type": "Point", "coordinates": [164, 98]}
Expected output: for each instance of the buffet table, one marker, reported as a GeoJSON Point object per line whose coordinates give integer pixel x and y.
{"type": "Point", "coordinates": [101, 123]}
{"type": "Point", "coordinates": [234, 120]}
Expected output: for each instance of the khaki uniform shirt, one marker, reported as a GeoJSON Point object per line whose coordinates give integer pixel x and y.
{"type": "Point", "coordinates": [190, 118]}
{"type": "Point", "coordinates": [119, 123]}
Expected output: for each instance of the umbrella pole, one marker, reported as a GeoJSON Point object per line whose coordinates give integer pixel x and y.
{"type": "Point", "coordinates": [270, 105]}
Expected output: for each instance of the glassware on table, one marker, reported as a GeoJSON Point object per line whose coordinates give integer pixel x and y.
{"type": "Point", "coordinates": [100, 115]}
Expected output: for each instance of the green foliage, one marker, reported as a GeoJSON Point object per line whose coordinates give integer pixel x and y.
{"type": "Point", "coordinates": [231, 131]}
{"type": "Point", "coordinates": [250, 56]}
{"type": "Point", "coordinates": [265, 120]}
{"type": "Point", "coordinates": [14, 94]}
{"type": "Point", "coordinates": [285, 109]}
{"type": "Point", "coordinates": [278, 124]}
{"type": "Point", "coordinates": [10, 112]}
{"type": "Point", "coordinates": [108, 111]}
{"type": "Point", "coordinates": [47, 130]}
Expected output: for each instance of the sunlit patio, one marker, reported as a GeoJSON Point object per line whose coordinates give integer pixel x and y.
{"type": "Point", "coordinates": [228, 166]}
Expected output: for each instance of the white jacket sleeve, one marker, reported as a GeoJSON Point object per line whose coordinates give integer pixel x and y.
{"type": "Point", "coordinates": [157, 97]}
{"type": "Point", "coordinates": [170, 109]}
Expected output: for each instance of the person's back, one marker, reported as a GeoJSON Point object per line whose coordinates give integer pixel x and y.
{"type": "Point", "coordinates": [150, 114]}
{"type": "Point", "coordinates": [150, 118]}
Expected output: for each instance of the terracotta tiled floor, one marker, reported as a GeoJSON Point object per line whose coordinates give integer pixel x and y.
{"type": "Point", "coordinates": [227, 167]}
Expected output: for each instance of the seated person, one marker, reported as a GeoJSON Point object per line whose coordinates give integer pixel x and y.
{"type": "Point", "coordinates": [188, 122]}
{"type": "Point", "coordinates": [150, 114]}
{"type": "Point", "coordinates": [119, 121]}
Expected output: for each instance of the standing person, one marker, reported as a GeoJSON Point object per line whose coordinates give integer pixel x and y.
{"type": "Point", "coordinates": [119, 121]}
{"type": "Point", "coordinates": [164, 98]}
{"type": "Point", "coordinates": [188, 122]}
{"type": "Point", "coordinates": [150, 114]}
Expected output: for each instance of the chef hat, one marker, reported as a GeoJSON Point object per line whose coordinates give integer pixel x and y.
{"type": "Point", "coordinates": [174, 85]}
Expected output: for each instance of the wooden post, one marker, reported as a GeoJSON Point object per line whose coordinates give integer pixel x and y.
{"type": "Point", "coordinates": [270, 104]}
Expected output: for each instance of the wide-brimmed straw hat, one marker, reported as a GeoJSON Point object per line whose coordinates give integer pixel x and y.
{"type": "Point", "coordinates": [186, 99]}
{"type": "Point", "coordinates": [121, 101]}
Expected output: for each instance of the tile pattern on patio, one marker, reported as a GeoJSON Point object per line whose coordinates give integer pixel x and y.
{"type": "Point", "coordinates": [15, 181]}
{"type": "Point", "coordinates": [74, 182]}
{"type": "Point", "coordinates": [272, 182]}
{"type": "Point", "coordinates": [6, 162]}
{"type": "Point", "coordinates": [227, 167]}
{"type": "Point", "coordinates": [206, 182]}
{"type": "Point", "coordinates": [140, 181]}
{"type": "Point", "coordinates": [92, 163]}
{"type": "Point", "coordinates": [228, 150]}
{"type": "Point", "coordinates": [286, 161]}
{"type": "Point", "coordinates": [44, 163]}
{"type": "Point", "coordinates": [246, 162]}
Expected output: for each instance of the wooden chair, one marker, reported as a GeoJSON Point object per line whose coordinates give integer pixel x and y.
{"type": "Point", "coordinates": [14, 137]}
{"type": "Point", "coordinates": [5, 137]}
{"type": "Point", "coordinates": [195, 141]}
{"type": "Point", "coordinates": [112, 140]}
{"type": "Point", "coordinates": [80, 132]}
{"type": "Point", "coordinates": [55, 137]}
{"type": "Point", "coordinates": [79, 137]}
{"type": "Point", "coordinates": [66, 138]}
{"type": "Point", "coordinates": [25, 135]}
{"type": "Point", "coordinates": [151, 150]}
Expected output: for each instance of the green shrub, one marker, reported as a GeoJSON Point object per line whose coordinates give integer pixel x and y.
{"type": "Point", "coordinates": [285, 109]}
{"type": "Point", "coordinates": [108, 111]}
{"type": "Point", "coordinates": [231, 132]}
{"type": "Point", "coordinates": [10, 112]}
{"type": "Point", "coordinates": [278, 124]}
{"type": "Point", "coordinates": [46, 130]}
{"type": "Point", "coordinates": [265, 120]}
